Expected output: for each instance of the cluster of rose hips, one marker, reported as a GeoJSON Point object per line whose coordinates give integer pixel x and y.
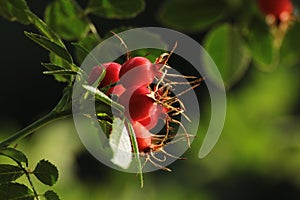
{"type": "Point", "coordinates": [277, 11]}
{"type": "Point", "coordinates": [279, 15]}
{"type": "Point", "coordinates": [141, 88]}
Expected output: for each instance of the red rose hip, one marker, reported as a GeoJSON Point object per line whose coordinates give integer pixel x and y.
{"type": "Point", "coordinates": [137, 71]}
{"type": "Point", "coordinates": [278, 8]}
{"type": "Point", "coordinates": [138, 103]}
{"type": "Point", "coordinates": [111, 76]}
{"type": "Point", "coordinates": [143, 136]}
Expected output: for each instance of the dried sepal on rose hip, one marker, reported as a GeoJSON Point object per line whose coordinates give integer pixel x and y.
{"type": "Point", "coordinates": [111, 77]}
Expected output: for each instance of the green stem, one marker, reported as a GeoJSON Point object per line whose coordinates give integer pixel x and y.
{"type": "Point", "coordinates": [50, 117]}
{"type": "Point", "coordinates": [29, 180]}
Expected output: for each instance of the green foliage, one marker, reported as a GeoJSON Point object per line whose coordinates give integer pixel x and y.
{"type": "Point", "coordinates": [9, 173]}
{"type": "Point", "coordinates": [44, 29]}
{"type": "Point", "coordinates": [115, 9]}
{"type": "Point", "coordinates": [14, 154]}
{"type": "Point", "coordinates": [50, 45]}
{"type": "Point", "coordinates": [100, 96]}
{"type": "Point", "coordinates": [261, 44]}
{"type": "Point", "coordinates": [12, 191]}
{"type": "Point", "coordinates": [192, 15]}
{"type": "Point", "coordinates": [290, 51]}
{"type": "Point", "coordinates": [46, 172]}
{"type": "Point", "coordinates": [58, 63]}
{"type": "Point", "coordinates": [226, 47]}
{"type": "Point", "coordinates": [84, 46]}
{"type": "Point", "coordinates": [61, 72]}
{"type": "Point", "coordinates": [67, 19]}
{"type": "Point", "coordinates": [120, 144]}
{"type": "Point", "coordinates": [14, 10]}
{"type": "Point", "coordinates": [136, 152]}
{"type": "Point", "coordinates": [50, 195]}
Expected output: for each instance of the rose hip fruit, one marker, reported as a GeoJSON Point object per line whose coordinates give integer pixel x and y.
{"type": "Point", "coordinates": [278, 8]}
{"type": "Point", "coordinates": [138, 105]}
{"type": "Point", "coordinates": [159, 112]}
{"type": "Point", "coordinates": [111, 76]}
{"type": "Point", "coordinates": [137, 71]}
{"type": "Point", "coordinates": [143, 136]}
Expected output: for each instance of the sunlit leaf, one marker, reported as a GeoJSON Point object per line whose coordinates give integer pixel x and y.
{"type": "Point", "coordinates": [116, 9]}
{"type": "Point", "coordinates": [67, 19]}
{"type": "Point", "coordinates": [120, 143]}
{"type": "Point", "coordinates": [61, 72]}
{"type": "Point", "coordinates": [52, 67]}
{"type": "Point", "coordinates": [136, 152]}
{"type": "Point", "coordinates": [44, 28]}
{"type": "Point", "coordinates": [14, 154]}
{"type": "Point", "coordinates": [57, 63]}
{"type": "Point", "coordinates": [103, 97]}
{"type": "Point", "coordinates": [14, 10]}
{"type": "Point", "coordinates": [15, 191]}
{"type": "Point", "coordinates": [191, 15]}
{"type": "Point", "coordinates": [9, 173]}
{"type": "Point", "coordinates": [46, 172]}
{"type": "Point", "coordinates": [227, 49]}
{"type": "Point", "coordinates": [50, 46]}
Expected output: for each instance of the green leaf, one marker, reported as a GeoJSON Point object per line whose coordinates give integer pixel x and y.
{"type": "Point", "coordinates": [14, 10]}
{"type": "Point", "coordinates": [260, 43]}
{"type": "Point", "coordinates": [227, 49]}
{"type": "Point", "coordinates": [50, 46]}
{"type": "Point", "coordinates": [46, 172]}
{"type": "Point", "coordinates": [58, 77]}
{"type": "Point", "coordinates": [57, 63]}
{"type": "Point", "coordinates": [103, 97]}
{"type": "Point", "coordinates": [290, 49]}
{"type": "Point", "coordinates": [136, 152]}
{"type": "Point", "coordinates": [10, 173]}
{"type": "Point", "coordinates": [14, 154]}
{"type": "Point", "coordinates": [52, 67]}
{"type": "Point", "coordinates": [84, 46]}
{"type": "Point", "coordinates": [106, 126]}
{"type": "Point", "coordinates": [44, 28]}
{"type": "Point", "coordinates": [67, 19]}
{"type": "Point", "coordinates": [116, 9]}
{"type": "Point", "coordinates": [15, 191]}
{"type": "Point", "coordinates": [50, 195]}
{"type": "Point", "coordinates": [191, 15]}
{"type": "Point", "coordinates": [120, 144]}
{"type": "Point", "coordinates": [61, 72]}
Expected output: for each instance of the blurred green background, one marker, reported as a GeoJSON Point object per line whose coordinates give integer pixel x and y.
{"type": "Point", "coordinates": [258, 154]}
